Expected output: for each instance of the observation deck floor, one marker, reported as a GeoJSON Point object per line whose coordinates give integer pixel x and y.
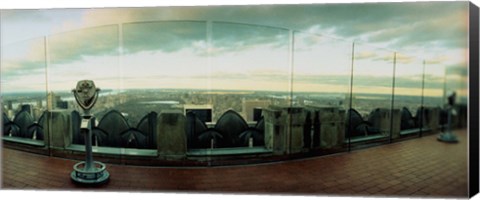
{"type": "Point", "coordinates": [420, 167]}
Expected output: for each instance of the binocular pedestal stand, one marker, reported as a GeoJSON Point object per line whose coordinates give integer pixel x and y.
{"type": "Point", "coordinates": [89, 171]}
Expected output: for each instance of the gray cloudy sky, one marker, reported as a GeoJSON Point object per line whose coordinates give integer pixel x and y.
{"type": "Point", "coordinates": [400, 25]}
{"type": "Point", "coordinates": [434, 31]}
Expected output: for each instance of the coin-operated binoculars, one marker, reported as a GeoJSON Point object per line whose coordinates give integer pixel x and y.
{"type": "Point", "coordinates": [88, 171]}
{"type": "Point", "coordinates": [448, 136]}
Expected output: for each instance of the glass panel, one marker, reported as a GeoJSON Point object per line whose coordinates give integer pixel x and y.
{"type": "Point", "coordinates": [23, 87]}
{"type": "Point", "coordinates": [434, 92]}
{"type": "Point", "coordinates": [408, 93]}
{"type": "Point", "coordinates": [165, 68]}
{"type": "Point", "coordinates": [456, 81]}
{"type": "Point", "coordinates": [86, 54]}
{"type": "Point", "coordinates": [370, 117]}
{"type": "Point", "coordinates": [250, 68]}
{"type": "Point", "coordinates": [321, 83]}
{"type": "Point", "coordinates": [168, 58]}
{"type": "Point", "coordinates": [434, 84]}
{"type": "Point", "coordinates": [321, 73]}
{"type": "Point", "coordinates": [250, 71]}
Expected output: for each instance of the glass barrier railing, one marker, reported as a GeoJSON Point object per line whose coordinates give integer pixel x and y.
{"type": "Point", "coordinates": [249, 71]}
{"type": "Point", "coordinates": [408, 93]}
{"type": "Point", "coordinates": [456, 79]}
{"type": "Point", "coordinates": [23, 88]}
{"type": "Point", "coordinates": [321, 83]}
{"type": "Point", "coordinates": [224, 74]}
{"type": "Point", "coordinates": [434, 83]}
{"type": "Point", "coordinates": [165, 67]}
{"type": "Point", "coordinates": [369, 116]}
{"type": "Point", "coordinates": [251, 61]}
{"type": "Point", "coordinates": [86, 54]}
{"type": "Point", "coordinates": [434, 94]}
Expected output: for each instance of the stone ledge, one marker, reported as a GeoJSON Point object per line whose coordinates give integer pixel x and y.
{"type": "Point", "coordinates": [365, 138]}
{"type": "Point", "coordinates": [228, 151]}
{"type": "Point", "coordinates": [115, 151]}
{"type": "Point", "coordinates": [39, 143]}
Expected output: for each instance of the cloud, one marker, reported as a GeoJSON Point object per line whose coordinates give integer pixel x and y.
{"type": "Point", "coordinates": [171, 36]}
{"type": "Point", "coordinates": [411, 24]}
{"type": "Point", "coordinates": [23, 58]}
{"type": "Point", "coordinates": [433, 26]}
{"type": "Point", "coordinates": [164, 36]}
{"type": "Point", "coordinates": [403, 59]}
{"type": "Point", "coordinates": [170, 29]}
{"type": "Point", "coordinates": [413, 82]}
{"type": "Point", "coordinates": [16, 16]}
{"type": "Point", "coordinates": [76, 45]}
{"type": "Point", "coordinates": [446, 29]}
{"type": "Point", "coordinates": [437, 60]}
{"type": "Point", "coordinates": [458, 70]}
{"type": "Point", "coordinates": [425, 24]}
{"type": "Point", "coordinates": [228, 37]}
{"type": "Point", "coordinates": [18, 68]}
{"type": "Point", "coordinates": [403, 24]}
{"type": "Point", "coordinates": [365, 55]}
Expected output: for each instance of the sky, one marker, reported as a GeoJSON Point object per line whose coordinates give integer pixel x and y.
{"type": "Point", "coordinates": [244, 47]}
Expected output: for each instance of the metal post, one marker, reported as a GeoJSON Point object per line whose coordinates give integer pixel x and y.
{"type": "Point", "coordinates": [422, 101]}
{"type": "Point", "coordinates": [290, 106]}
{"type": "Point", "coordinates": [47, 64]}
{"type": "Point", "coordinates": [449, 122]}
{"type": "Point", "coordinates": [392, 103]}
{"type": "Point", "coordinates": [351, 97]}
{"type": "Point", "coordinates": [88, 145]}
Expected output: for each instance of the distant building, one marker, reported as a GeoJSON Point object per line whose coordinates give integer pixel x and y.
{"type": "Point", "coordinates": [9, 105]}
{"type": "Point", "coordinates": [51, 101]}
{"type": "Point", "coordinates": [39, 103]}
{"type": "Point", "coordinates": [257, 113]}
{"type": "Point", "coordinates": [28, 108]}
{"type": "Point", "coordinates": [37, 113]}
{"type": "Point", "coordinates": [252, 109]}
{"type": "Point", "coordinates": [203, 112]}
{"type": "Point", "coordinates": [55, 102]}
{"type": "Point", "coordinates": [353, 100]}
{"type": "Point", "coordinates": [10, 114]}
{"type": "Point", "coordinates": [62, 104]}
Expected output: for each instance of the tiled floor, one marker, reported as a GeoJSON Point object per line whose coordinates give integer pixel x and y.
{"type": "Point", "coordinates": [416, 167]}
